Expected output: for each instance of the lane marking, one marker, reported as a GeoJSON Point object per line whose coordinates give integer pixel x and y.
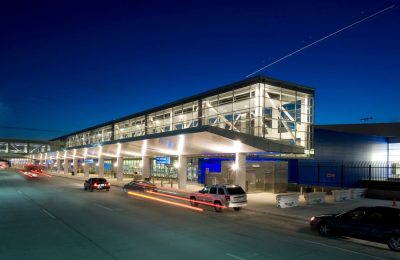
{"type": "Point", "coordinates": [342, 249]}
{"type": "Point", "coordinates": [49, 214]}
{"type": "Point", "coordinates": [235, 256]}
{"type": "Point", "coordinates": [104, 207]}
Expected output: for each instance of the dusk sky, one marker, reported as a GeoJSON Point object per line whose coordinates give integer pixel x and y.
{"type": "Point", "coordinates": [69, 65]}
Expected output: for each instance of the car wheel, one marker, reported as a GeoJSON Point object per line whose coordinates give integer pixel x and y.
{"type": "Point", "coordinates": [91, 189]}
{"type": "Point", "coordinates": [107, 189]}
{"type": "Point", "coordinates": [84, 188]}
{"type": "Point", "coordinates": [192, 202]}
{"type": "Point", "coordinates": [237, 208]}
{"type": "Point", "coordinates": [325, 229]}
{"type": "Point", "coordinates": [394, 243]}
{"type": "Point", "coordinates": [219, 208]}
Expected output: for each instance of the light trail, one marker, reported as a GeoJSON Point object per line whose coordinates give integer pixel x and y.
{"type": "Point", "coordinates": [323, 38]}
{"type": "Point", "coordinates": [164, 201]}
{"type": "Point", "coordinates": [186, 199]}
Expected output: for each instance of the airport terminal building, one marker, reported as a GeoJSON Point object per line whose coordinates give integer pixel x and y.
{"type": "Point", "coordinates": [243, 133]}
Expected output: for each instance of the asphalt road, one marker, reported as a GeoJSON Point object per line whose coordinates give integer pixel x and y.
{"type": "Point", "coordinates": [54, 218]}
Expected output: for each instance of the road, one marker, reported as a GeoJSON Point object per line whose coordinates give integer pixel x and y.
{"type": "Point", "coordinates": [54, 218]}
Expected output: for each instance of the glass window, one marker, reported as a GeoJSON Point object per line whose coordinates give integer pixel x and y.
{"type": "Point", "coordinates": [221, 191]}
{"type": "Point", "coordinates": [235, 191]}
{"type": "Point", "coordinates": [213, 190]}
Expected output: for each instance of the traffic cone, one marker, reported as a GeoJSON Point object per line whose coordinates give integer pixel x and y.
{"type": "Point", "coordinates": [394, 203]}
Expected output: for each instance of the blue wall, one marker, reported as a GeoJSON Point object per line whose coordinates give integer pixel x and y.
{"type": "Point", "coordinates": [341, 159]}
{"type": "Point", "coordinates": [337, 146]}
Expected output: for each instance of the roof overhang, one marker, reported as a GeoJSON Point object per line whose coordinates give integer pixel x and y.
{"type": "Point", "coordinates": [199, 141]}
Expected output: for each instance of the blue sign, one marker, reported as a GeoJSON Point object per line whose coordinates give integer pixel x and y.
{"type": "Point", "coordinates": [163, 160]}
{"type": "Point", "coordinates": [88, 161]}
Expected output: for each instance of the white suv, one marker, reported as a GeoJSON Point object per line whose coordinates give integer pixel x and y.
{"type": "Point", "coordinates": [220, 195]}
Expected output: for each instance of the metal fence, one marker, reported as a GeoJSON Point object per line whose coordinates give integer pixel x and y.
{"type": "Point", "coordinates": [345, 174]}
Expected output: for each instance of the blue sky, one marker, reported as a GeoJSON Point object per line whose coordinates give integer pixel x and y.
{"type": "Point", "coordinates": [68, 65]}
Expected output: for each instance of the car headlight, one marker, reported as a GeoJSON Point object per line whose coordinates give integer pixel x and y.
{"type": "Point", "coordinates": [312, 219]}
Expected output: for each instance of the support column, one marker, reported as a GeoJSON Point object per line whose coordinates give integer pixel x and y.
{"type": "Point", "coordinates": [86, 170]}
{"type": "Point", "coordinates": [101, 167]}
{"type": "Point", "coordinates": [75, 166]}
{"type": "Point", "coordinates": [66, 166]}
{"type": "Point", "coordinates": [182, 171]}
{"type": "Point", "coordinates": [145, 167]}
{"type": "Point", "coordinates": [58, 165]}
{"type": "Point", "coordinates": [304, 127]}
{"type": "Point", "coordinates": [240, 177]}
{"type": "Point", "coordinates": [120, 168]}
{"type": "Point", "coordinates": [259, 111]}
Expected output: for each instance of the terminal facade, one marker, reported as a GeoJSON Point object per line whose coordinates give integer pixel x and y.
{"type": "Point", "coordinates": [241, 133]}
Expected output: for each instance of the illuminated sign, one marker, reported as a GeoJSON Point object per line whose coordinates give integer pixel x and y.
{"type": "Point", "coordinates": [88, 161]}
{"type": "Point", "coordinates": [331, 175]}
{"type": "Point", "coordinates": [163, 160]}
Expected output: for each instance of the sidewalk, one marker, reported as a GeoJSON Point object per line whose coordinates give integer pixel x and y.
{"type": "Point", "coordinates": [263, 202]}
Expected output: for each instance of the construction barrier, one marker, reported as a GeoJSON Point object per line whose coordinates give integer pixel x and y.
{"type": "Point", "coordinates": [287, 200]}
{"type": "Point", "coordinates": [358, 193]}
{"type": "Point", "coordinates": [314, 197]}
{"type": "Point", "coordinates": [341, 195]}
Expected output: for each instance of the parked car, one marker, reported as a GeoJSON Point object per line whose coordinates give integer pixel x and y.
{"type": "Point", "coordinates": [96, 184]}
{"type": "Point", "coordinates": [228, 195]}
{"type": "Point", "coordinates": [140, 185]}
{"type": "Point", "coordinates": [377, 224]}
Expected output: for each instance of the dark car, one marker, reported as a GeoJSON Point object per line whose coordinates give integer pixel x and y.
{"type": "Point", "coordinates": [140, 185]}
{"type": "Point", "coordinates": [96, 184]}
{"type": "Point", "coordinates": [377, 224]}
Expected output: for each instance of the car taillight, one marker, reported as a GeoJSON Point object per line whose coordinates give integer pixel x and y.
{"type": "Point", "coordinates": [95, 184]}
{"type": "Point", "coordinates": [109, 184]}
{"type": "Point", "coordinates": [228, 198]}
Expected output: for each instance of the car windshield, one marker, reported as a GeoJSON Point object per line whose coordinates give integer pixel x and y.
{"type": "Point", "coordinates": [235, 191]}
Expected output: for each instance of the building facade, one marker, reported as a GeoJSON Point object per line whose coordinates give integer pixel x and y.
{"type": "Point", "coordinates": [259, 121]}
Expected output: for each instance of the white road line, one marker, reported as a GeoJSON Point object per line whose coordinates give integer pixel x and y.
{"type": "Point", "coordinates": [49, 214]}
{"type": "Point", "coordinates": [345, 250]}
{"type": "Point", "coordinates": [235, 256]}
{"type": "Point", "coordinates": [104, 207]}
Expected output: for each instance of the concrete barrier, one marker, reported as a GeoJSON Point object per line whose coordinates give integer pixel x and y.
{"type": "Point", "coordinates": [314, 197]}
{"type": "Point", "coordinates": [357, 193]}
{"type": "Point", "coordinates": [287, 200]}
{"type": "Point", "coordinates": [341, 195]}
